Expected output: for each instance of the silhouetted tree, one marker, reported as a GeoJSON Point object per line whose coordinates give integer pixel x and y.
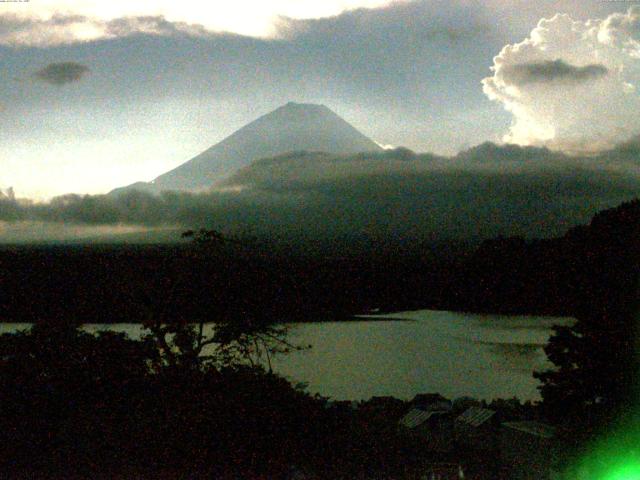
{"type": "Point", "coordinates": [65, 392]}
{"type": "Point", "coordinates": [595, 378]}
{"type": "Point", "coordinates": [213, 339]}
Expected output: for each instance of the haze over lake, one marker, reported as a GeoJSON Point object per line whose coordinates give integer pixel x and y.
{"type": "Point", "coordinates": [401, 354]}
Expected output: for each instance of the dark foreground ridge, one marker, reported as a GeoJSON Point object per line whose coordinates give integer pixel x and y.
{"type": "Point", "coordinates": [317, 281]}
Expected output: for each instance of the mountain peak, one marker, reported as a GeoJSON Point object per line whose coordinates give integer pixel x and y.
{"type": "Point", "coordinates": [294, 111]}
{"type": "Point", "coordinates": [296, 105]}
{"type": "Point", "coordinates": [291, 127]}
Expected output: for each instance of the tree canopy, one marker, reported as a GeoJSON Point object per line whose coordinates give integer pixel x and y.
{"type": "Point", "coordinates": [596, 378]}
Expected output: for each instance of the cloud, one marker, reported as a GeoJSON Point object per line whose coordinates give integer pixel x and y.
{"type": "Point", "coordinates": [233, 16]}
{"type": "Point", "coordinates": [622, 31]}
{"type": "Point", "coordinates": [60, 22]}
{"type": "Point", "coordinates": [571, 85]}
{"type": "Point", "coordinates": [153, 25]}
{"type": "Point", "coordinates": [428, 22]}
{"type": "Point", "coordinates": [60, 29]}
{"type": "Point", "coordinates": [62, 73]}
{"type": "Point", "coordinates": [55, 30]}
{"type": "Point", "coordinates": [551, 71]}
{"type": "Point", "coordinates": [485, 191]}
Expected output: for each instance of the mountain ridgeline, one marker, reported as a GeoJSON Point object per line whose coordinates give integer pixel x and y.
{"type": "Point", "coordinates": [292, 127]}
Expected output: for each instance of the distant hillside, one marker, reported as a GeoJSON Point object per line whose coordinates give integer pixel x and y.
{"type": "Point", "coordinates": [590, 265]}
{"type": "Point", "coordinates": [292, 127]}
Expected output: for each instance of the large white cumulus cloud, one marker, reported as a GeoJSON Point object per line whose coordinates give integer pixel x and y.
{"type": "Point", "coordinates": [572, 85]}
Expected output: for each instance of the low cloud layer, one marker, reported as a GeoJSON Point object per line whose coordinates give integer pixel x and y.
{"type": "Point", "coordinates": [393, 195]}
{"type": "Point", "coordinates": [61, 73]}
{"type": "Point", "coordinates": [572, 85]}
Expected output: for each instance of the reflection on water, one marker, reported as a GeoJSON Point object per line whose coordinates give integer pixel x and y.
{"type": "Point", "coordinates": [485, 356]}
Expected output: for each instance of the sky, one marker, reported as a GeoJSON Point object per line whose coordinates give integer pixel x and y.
{"type": "Point", "coordinates": [97, 95]}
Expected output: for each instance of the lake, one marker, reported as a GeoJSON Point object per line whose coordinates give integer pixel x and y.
{"type": "Point", "coordinates": [401, 354]}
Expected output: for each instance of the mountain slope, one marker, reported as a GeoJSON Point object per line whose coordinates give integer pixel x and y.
{"type": "Point", "coordinates": [292, 127]}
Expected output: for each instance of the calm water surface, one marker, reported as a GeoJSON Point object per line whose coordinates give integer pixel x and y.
{"type": "Point", "coordinates": [484, 356]}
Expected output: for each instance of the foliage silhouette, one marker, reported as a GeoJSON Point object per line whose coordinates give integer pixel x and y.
{"type": "Point", "coordinates": [178, 399]}
{"type": "Point", "coordinates": [57, 383]}
{"type": "Point", "coordinates": [215, 341]}
{"type": "Point", "coordinates": [74, 403]}
{"type": "Point", "coordinates": [595, 379]}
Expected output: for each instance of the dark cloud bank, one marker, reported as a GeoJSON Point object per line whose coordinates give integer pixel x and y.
{"type": "Point", "coordinates": [482, 192]}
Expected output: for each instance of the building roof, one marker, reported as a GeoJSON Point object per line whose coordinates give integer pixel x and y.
{"type": "Point", "coordinates": [532, 428]}
{"type": "Point", "coordinates": [444, 406]}
{"type": "Point", "coordinates": [445, 471]}
{"type": "Point", "coordinates": [384, 401]}
{"type": "Point", "coordinates": [475, 416]}
{"type": "Point", "coordinates": [416, 417]}
{"type": "Point", "coordinates": [352, 404]}
{"type": "Point", "coordinates": [427, 399]}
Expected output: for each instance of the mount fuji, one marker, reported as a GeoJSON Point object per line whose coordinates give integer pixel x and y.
{"type": "Point", "coordinates": [292, 127]}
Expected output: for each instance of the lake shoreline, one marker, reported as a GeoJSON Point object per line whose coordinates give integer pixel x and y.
{"type": "Point", "coordinates": [393, 354]}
